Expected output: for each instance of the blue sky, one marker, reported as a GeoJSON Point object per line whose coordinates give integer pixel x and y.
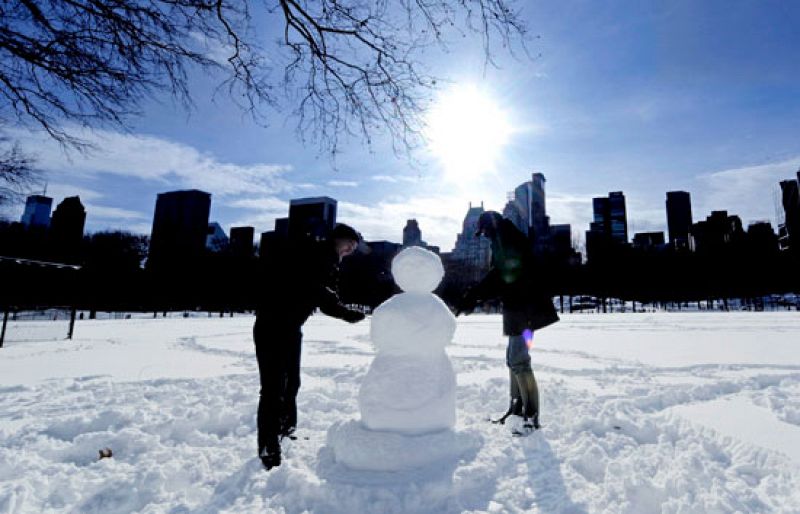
{"type": "Point", "coordinates": [642, 97]}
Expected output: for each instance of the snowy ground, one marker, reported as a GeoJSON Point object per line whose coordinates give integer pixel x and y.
{"type": "Point", "coordinates": [642, 413]}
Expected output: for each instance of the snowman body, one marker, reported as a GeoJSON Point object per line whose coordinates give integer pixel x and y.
{"type": "Point", "coordinates": [410, 386]}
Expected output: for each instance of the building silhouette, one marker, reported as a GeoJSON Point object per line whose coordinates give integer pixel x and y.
{"type": "Point", "coordinates": [241, 243]}
{"type": "Point", "coordinates": [713, 235]}
{"type": "Point", "coordinates": [412, 235]}
{"type": "Point", "coordinates": [66, 229]}
{"type": "Point", "coordinates": [526, 209]}
{"type": "Point", "coordinates": [216, 238]}
{"type": "Point", "coordinates": [679, 218]}
{"type": "Point", "coordinates": [518, 207]}
{"type": "Point", "coordinates": [311, 217]}
{"type": "Point", "coordinates": [762, 239]}
{"type": "Point", "coordinates": [790, 230]}
{"type": "Point", "coordinates": [648, 241]}
{"type": "Point", "coordinates": [472, 253]}
{"type": "Point", "coordinates": [37, 211]}
{"type": "Point", "coordinates": [609, 229]}
{"type": "Point", "coordinates": [180, 229]}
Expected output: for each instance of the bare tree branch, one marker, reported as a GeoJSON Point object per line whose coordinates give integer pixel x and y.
{"type": "Point", "coordinates": [352, 68]}
{"type": "Point", "coordinates": [18, 173]}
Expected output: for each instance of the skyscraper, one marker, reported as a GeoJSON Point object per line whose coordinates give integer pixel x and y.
{"type": "Point", "coordinates": [790, 192]}
{"type": "Point", "coordinates": [412, 235]}
{"type": "Point", "coordinates": [180, 227]}
{"type": "Point", "coordinates": [472, 251]}
{"type": "Point", "coordinates": [526, 209]}
{"type": "Point", "coordinates": [618, 217]}
{"type": "Point", "coordinates": [242, 241]}
{"type": "Point", "coordinates": [609, 227]}
{"type": "Point", "coordinates": [66, 229]}
{"type": "Point", "coordinates": [37, 211]}
{"type": "Point", "coordinates": [679, 218]}
{"type": "Point", "coordinates": [311, 217]}
{"type": "Point", "coordinates": [539, 222]}
{"type": "Point", "coordinates": [216, 238]}
{"type": "Point", "coordinates": [518, 208]}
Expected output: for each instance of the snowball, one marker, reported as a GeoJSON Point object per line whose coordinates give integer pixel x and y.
{"type": "Point", "coordinates": [412, 323]}
{"type": "Point", "coordinates": [417, 270]}
{"type": "Point", "coordinates": [409, 394]}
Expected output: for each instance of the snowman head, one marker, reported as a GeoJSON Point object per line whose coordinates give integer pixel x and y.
{"type": "Point", "coordinates": [417, 270]}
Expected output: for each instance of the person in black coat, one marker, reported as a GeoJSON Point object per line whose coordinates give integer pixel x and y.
{"type": "Point", "coordinates": [298, 278]}
{"type": "Point", "coordinates": [527, 307]}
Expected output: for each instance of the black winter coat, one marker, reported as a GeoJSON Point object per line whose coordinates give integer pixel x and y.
{"type": "Point", "coordinates": [513, 279]}
{"type": "Point", "coordinates": [295, 280]}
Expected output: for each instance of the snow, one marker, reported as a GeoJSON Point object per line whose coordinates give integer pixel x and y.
{"type": "Point", "coordinates": [658, 412]}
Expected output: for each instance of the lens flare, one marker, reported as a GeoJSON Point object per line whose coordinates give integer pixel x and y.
{"type": "Point", "coordinates": [527, 334]}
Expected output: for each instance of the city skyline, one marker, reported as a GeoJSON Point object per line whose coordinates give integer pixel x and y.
{"type": "Point", "coordinates": [643, 99]}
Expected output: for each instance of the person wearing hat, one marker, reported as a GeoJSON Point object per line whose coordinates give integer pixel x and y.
{"type": "Point", "coordinates": [297, 279]}
{"type": "Point", "coordinates": [527, 307]}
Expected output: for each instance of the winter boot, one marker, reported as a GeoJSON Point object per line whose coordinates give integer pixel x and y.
{"type": "Point", "coordinates": [520, 426]}
{"type": "Point", "coordinates": [529, 392]}
{"type": "Point", "coordinates": [270, 457]}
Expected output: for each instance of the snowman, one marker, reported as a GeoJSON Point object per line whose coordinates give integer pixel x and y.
{"type": "Point", "coordinates": [407, 398]}
{"type": "Point", "coordinates": [410, 387]}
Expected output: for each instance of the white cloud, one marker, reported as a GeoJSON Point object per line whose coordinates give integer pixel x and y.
{"type": "Point", "coordinates": [439, 218]}
{"type": "Point", "coordinates": [342, 183]}
{"type": "Point", "coordinates": [113, 213]}
{"type": "Point", "coordinates": [269, 203]}
{"type": "Point", "coordinates": [747, 192]}
{"type": "Point", "coordinates": [156, 159]}
{"type": "Point", "coordinates": [394, 179]}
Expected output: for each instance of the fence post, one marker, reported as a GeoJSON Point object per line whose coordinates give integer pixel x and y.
{"type": "Point", "coordinates": [3, 330]}
{"type": "Point", "coordinates": [71, 323]}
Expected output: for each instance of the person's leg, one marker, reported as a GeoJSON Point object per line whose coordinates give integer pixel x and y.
{"type": "Point", "coordinates": [519, 362]}
{"type": "Point", "coordinates": [272, 378]}
{"type": "Point", "coordinates": [292, 386]}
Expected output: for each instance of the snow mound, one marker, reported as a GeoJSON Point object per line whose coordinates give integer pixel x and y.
{"type": "Point", "coordinates": [417, 270]}
{"type": "Point", "coordinates": [361, 448]}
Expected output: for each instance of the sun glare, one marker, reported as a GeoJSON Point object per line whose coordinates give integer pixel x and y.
{"type": "Point", "coordinates": [467, 131]}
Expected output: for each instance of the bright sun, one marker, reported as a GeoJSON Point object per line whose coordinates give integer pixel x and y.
{"type": "Point", "coordinates": [467, 131]}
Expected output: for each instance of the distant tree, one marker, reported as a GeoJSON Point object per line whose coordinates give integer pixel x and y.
{"type": "Point", "coordinates": [115, 251]}
{"type": "Point", "coordinates": [18, 174]}
{"type": "Point", "coordinates": [340, 66]}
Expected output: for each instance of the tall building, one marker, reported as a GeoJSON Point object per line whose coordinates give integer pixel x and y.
{"type": "Point", "coordinates": [66, 229]}
{"type": "Point", "coordinates": [311, 217]}
{"type": "Point", "coordinates": [412, 235]}
{"type": "Point", "coordinates": [518, 208]}
{"type": "Point", "coordinates": [539, 222]}
{"type": "Point", "coordinates": [242, 241]}
{"type": "Point", "coordinates": [526, 209]}
{"type": "Point", "coordinates": [609, 228]}
{"type": "Point", "coordinates": [790, 192]}
{"type": "Point", "coordinates": [471, 251]}
{"type": "Point", "coordinates": [618, 217]}
{"type": "Point", "coordinates": [37, 211]}
{"type": "Point", "coordinates": [561, 243]}
{"type": "Point", "coordinates": [679, 218]}
{"type": "Point", "coordinates": [180, 227]}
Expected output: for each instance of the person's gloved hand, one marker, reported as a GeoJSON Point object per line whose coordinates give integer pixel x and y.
{"type": "Point", "coordinates": [353, 316]}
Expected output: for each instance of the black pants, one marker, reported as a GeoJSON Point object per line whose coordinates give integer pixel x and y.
{"type": "Point", "coordinates": [278, 354]}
